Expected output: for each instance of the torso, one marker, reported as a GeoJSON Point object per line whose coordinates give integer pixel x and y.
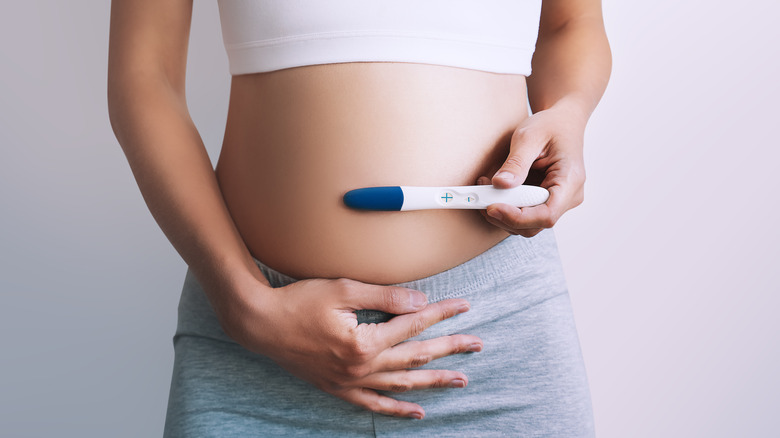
{"type": "Point", "coordinates": [298, 139]}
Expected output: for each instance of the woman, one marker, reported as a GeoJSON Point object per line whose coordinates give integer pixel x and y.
{"type": "Point", "coordinates": [291, 298]}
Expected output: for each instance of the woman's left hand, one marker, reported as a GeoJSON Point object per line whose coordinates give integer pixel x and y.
{"type": "Point", "coordinates": [545, 150]}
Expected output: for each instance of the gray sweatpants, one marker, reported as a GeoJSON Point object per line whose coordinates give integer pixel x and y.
{"type": "Point", "coordinates": [529, 380]}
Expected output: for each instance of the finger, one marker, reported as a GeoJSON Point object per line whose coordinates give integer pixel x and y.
{"type": "Point", "coordinates": [390, 299]}
{"type": "Point", "coordinates": [403, 327]}
{"type": "Point", "coordinates": [525, 232]}
{"type": "Point", "coordinates": [407, 380]}
{"type": "Point", "coordinates": [415, 354]}
{"type": "Point", "coordinates": [374, 402]}
{"type": "Point", "coordinates": [539, 216]}
{"type": "Point", "coordinates": [525, 147]}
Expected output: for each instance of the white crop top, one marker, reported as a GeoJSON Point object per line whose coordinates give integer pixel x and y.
{"type": "Point", "coordinates": [490, 35]}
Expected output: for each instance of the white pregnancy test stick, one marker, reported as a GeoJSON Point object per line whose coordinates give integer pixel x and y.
{"type": "Point", "coordinates": [403, 198]}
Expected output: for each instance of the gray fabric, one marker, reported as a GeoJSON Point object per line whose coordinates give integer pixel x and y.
{"type": "Point", "coordinates": [529, 380]}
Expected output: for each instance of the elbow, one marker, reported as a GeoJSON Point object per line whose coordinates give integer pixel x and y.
{"type": "Point", "coordinates": [117, 102]}
{"type": "Point", "coordinates": [118, 88]}
{"type": "Point", "coordinates": [113, 100]}
{"type": "Point", "coordinates": [130, 95]}
{"type": "Point", "coordinates": [606, 56]}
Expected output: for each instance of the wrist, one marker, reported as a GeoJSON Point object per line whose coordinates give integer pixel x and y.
{"type": "Point", "coordinates": [246, 311]}
{"type": "Point", "coordinates": [575, 108]}
{"type": "Point", "coordinates": [228, 275]}
{"type": "Point", "coordinates": [236, 289]}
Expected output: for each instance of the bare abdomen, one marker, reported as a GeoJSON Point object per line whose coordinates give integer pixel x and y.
{"type": "Point", "coordinates": [298, 139]}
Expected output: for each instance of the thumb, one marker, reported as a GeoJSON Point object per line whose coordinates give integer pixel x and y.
{"type": "Point", "coordinates": [523, 151]}
{"type": "Point", "coordinates": [391, 299]}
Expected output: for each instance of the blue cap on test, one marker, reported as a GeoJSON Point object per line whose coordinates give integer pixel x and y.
{"type": "Point", "coordinates": [389, 198]}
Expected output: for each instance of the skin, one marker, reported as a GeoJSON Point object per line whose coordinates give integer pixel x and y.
{"type": "Point", "coordinates": [571, 68]}
{"type": "Point", "coordinates": [315, 132]}
{"type": "Point", "coordinates": [193, 206]}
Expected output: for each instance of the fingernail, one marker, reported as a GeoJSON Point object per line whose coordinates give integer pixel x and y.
{"type": "Point", "coordinates": [419, 300]}
{"type": "Point", "coordinates": [506, 176]}
{"type": "Point", "coordinates": [416, 415]}
{"type": "Point", "coordinates": [457, 383]}
{"type": "Point", "coordinates": [475, 347]}
{"type": "Point", "coordinates": [464, 308]}
{"type": "Point", "coordinates": [494, 213]}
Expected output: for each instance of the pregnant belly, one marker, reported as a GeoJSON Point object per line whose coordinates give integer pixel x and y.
{"type": "Point", "coordinates": [297, 139]}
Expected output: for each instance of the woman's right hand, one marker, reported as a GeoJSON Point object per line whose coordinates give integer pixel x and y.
{"type": "Point", "coordinates": [310, 329]}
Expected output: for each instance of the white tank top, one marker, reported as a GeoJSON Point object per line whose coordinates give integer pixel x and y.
{"type": "Point", "coordinates": [497, 36]}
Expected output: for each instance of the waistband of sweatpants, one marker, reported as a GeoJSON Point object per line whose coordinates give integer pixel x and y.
{"type": "Point", "coordinates": [502, 262]}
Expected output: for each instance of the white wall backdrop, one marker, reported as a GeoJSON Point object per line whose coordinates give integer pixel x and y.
{"type": "Point", "coordinates": [672, 261]}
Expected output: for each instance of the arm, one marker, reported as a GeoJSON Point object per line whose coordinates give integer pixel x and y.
{"type": "Point", "coordinates": [149, 115]}
{"type": "Point", "coordinates": [571, 68]}
{"type": "Point", "coordinates": [310, 329]}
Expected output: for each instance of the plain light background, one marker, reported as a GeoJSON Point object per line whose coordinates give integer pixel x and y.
{"type": "Point", "coordinates": [672, 261]}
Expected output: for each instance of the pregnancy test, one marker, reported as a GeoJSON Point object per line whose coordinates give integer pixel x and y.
{"type": "Point", "coordinates": [403, 198]}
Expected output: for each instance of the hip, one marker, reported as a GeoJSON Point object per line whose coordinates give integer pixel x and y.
{"type": "Point", "coordinates": [528, 380]}
{"type": "Point", "coordinates": [513, 275]}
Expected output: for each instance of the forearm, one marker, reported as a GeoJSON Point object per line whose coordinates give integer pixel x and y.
{"type": "Point", "coordinates": [571, 66]}
{"type": "Point", "coordinates": [178, 183]}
